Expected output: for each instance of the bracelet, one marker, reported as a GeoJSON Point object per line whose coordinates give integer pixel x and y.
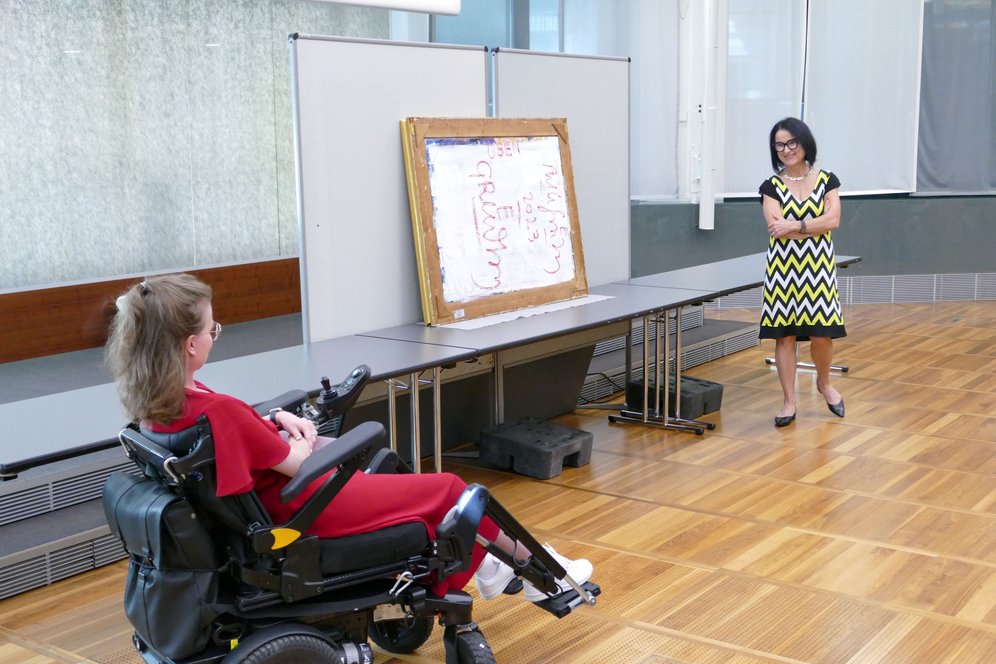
{"type": "Point", "coordinates": [802, 226]}
{"type": "Point", "coordinates": [273, 415]}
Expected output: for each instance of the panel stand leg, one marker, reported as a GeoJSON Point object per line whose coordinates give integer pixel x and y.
{"type": "Point", "coordinates": [843, 368]}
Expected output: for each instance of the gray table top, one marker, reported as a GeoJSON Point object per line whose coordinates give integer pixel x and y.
{"type": "Point", "coordinates": [721, 277]}
{"type": "Point", "coordinates": [94, 414]}
{"type": "Point", "coordinates": [625, 302]}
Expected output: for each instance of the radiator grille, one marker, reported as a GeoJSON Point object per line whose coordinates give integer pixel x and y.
{"type": "Point", "coordinates": [82, 488]}
{"type": "Point", "coordinates": [987, 286]}
{"type": "Point", "coordinates": [744, 299]}
{"type": "Point", "coordinates": [954, 287]}
{"type": "Point", "coordinates": [23, 576]}
{"type": "Point", "coordinates": [107, 549]}
{"type": "Point", "coordinates": [890, 289]}
{"type": "Point", "coordinates": [59, 563]}
{"type": "Point", "coordinates": [23, 504]}
{"type": "Point", "coordinates": [871, 290]}
{"type": "Point", "coordinates": [64, 492]}
{"type": "Point", "coordinates": [71, 560]}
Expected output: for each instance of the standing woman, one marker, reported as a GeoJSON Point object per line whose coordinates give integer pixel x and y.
{"type": "Point", "coordinates": [801, 206]}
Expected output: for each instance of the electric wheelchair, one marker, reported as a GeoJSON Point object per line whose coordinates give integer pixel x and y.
{"type": "Point", "coordinates": [214, 580]}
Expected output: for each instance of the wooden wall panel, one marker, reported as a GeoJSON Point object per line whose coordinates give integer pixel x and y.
{"type": "Point", "coordinates": [61, 319]}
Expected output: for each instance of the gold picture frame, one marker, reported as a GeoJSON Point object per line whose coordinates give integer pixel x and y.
{"type": "Point", "coordinates": [494, 215]}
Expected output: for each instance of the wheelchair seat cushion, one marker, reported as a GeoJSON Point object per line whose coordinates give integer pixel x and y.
{"type": "Point", "coordinates": [357, 552]}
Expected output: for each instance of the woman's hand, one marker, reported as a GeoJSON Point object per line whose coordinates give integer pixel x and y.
{"type": "Point", "coordinates": [298, 428]}
{"type": "Point", "coordinates": [779, 227]}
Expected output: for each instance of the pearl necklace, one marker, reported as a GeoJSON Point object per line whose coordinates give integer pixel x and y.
{"type": "Point", "coordinates": [801, 177]}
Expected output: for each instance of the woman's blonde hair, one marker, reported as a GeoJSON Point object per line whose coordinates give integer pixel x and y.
{"type": "Point", "coordinates": [145, 346]}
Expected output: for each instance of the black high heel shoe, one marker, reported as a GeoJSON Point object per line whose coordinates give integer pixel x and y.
{"type": "Point", "coordinates": [837, 408]}
{"type": "Point", "coordinates": [784, 421]}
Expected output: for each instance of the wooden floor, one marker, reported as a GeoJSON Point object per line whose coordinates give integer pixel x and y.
{"type": "Point", "coordinates": [863, 540]}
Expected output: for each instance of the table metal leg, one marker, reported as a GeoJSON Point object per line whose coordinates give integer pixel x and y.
{"type": "Point", "coordinates": [414, 383]}
{"type": "Point", "coordinates": [416, 434]}
{"type": "Point", "coordinates": [499, 373]}
{"type": "Point", "coordinates": [646, 369]}
{"type": "Point", "coordinates": [629, 354]}
{"type": "Point", "coordinates": [437, 418]}
{"type": "Point", "coordinates": [677, 377]}
{"type": "Point", "coordinates": [659, 418]}
{"type": "Point", "coordinates": [392, 414]}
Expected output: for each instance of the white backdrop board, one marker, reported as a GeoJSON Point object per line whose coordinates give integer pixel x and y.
{"type": "Point", "coordinates": [593, 94]}
{"type": "Point", "coordinates": [358, 269]}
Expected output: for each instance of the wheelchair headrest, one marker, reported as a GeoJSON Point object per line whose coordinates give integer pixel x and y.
{"type": "Point", "coordinates": [172, 455]}
{"type": "Point", "coordinates": [180, 443]}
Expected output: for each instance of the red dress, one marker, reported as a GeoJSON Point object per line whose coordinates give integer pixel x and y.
{"type": "Point", "coordinates": [247, 447]}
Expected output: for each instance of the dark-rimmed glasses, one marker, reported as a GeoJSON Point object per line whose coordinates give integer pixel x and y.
{"type": "Point", "coordinates": [787, 145]}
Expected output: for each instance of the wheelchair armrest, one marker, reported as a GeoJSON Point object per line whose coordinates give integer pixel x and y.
{"type": "Point", "coordinates": [354, 442]}
{"type": "Point", "coordinates": [286, 401]}
{"type": "Point", "coordinates": [348, 453]}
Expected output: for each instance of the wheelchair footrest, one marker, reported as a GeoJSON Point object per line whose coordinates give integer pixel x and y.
{"type": "Point", "coordinates": [566, 602]}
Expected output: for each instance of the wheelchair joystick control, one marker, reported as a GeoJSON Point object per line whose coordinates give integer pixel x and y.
{"type": "Point", "coordinates": [334, 400]}
{"type": "Point", "coordinates": [328, 392]}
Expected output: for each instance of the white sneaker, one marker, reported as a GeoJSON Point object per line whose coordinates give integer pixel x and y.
{"type": "Point", "coordinates": [492, 577]}
{"type": "Point", "coordinates": [580, 570]}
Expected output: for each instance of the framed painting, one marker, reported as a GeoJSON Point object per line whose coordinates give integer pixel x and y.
{"type": "Point", "coordinates": [494, 215]}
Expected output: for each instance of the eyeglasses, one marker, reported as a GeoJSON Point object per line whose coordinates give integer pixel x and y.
{"type": "Point", "coordinates": [215, 331]}
{"type": "Point", "coordinates": [787, 145]}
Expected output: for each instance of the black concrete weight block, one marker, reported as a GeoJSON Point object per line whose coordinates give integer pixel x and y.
{"type": "Point", "coordinates": [698, 396]}
{"type": "Point", "coordinates": [535, 448]}
{"type": "Point", "coordinates": [712, 393]}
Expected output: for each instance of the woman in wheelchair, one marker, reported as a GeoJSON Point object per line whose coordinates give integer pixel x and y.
{"type": "Point", "coordinates": [161, 336]}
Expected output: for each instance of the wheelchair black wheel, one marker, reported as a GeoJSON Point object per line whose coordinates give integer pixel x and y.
{"type": "Point", "coordinates": [290, 649]}
{"type": "Point", "coordinates": [398, 637]}
{"type": "Point", "coordinates": [292, 643]}
{"type": "Point", "coordinates": [472, 648]}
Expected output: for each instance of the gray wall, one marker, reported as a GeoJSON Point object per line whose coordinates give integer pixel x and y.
{"type": "Point", "coordinates": [894, 235]}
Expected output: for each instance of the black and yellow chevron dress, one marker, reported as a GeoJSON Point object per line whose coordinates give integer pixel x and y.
{"type": "Point", "coordinates": [800, 282]}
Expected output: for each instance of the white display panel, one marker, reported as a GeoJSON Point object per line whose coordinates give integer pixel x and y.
{"type": "Point", "coordinates": [358, 270]}
{"type": "Point", "coordinates": [593, 94]}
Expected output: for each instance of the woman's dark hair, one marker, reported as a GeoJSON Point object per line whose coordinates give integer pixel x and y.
{"type": "Point", "coordinates": [145, 348]}
{"type": "Point", "coordinates": [800, 131]}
